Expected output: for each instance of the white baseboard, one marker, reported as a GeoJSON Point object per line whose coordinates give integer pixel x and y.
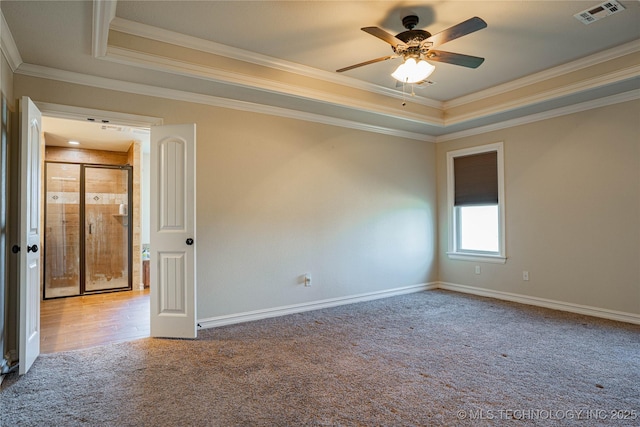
{"type": "Point", "coordinates": [542, 302]}
{"type": "Point", "coordinates": [249, 316]}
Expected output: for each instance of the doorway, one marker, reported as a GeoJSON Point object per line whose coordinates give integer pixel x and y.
{"type": "Point", "coordinates": [173, 296]}
{"type": "Point", "coordinates": [87, 233]}
{"type": "Point", "coordinates": [105, 183]}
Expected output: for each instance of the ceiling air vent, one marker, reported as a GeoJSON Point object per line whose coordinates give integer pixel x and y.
{"type": "Point", "coordinates": [115, 128]}
{"type": "Point", "coordinates": [598, 12]}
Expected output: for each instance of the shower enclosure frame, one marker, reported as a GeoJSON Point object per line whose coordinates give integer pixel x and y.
{"type": "Point", "coordinates": [83, 233]}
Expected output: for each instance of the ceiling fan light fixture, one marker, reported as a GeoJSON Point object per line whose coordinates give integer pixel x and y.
{"type": "Point", "coordinates": [413, 72]}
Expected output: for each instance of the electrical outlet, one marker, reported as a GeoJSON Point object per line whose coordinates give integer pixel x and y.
{"type": "Point", "coordinates": [525, 276]}
{"type": "Point", "coordinates": [477, 269]}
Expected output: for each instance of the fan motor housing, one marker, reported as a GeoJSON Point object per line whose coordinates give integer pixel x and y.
{"type": "Point", "coordinates": [411, 37]}
{"type": "Point", "coordinates": [413, 40]}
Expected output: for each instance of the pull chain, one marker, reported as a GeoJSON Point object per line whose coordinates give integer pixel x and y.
{"type": "Point", "coordinates": [404, 99]}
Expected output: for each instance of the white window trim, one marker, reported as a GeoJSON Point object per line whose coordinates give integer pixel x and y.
{"type": "Point", "coordinates": [453, 253]}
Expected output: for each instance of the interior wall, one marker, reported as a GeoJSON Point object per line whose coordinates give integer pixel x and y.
{"type": "Point", "coordinates": [54, 153]}
{"type": "Point", "coordinates": [278, 198]}
{"type": "Point", "coordinates": [572, 210]}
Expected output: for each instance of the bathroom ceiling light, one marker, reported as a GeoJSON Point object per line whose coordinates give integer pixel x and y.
{"type": "Point", "coordinates": [74, 143]}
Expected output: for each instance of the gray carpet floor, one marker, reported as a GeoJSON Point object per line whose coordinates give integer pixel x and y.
{"type": "Point", "coordinates": [434, 358]}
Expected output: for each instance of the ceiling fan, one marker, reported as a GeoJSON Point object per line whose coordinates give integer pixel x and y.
{"type": "Point", "coordinates": [416, 46]}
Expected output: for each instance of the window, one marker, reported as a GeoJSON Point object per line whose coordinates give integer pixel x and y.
{"type": "Point", "coordinates": [475, 186]}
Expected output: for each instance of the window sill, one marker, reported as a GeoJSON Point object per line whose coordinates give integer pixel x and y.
{"type": "Point", "coordinates": [496, 259]}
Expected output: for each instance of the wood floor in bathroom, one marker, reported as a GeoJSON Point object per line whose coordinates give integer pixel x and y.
{"type": "Point", "coordinates": [91, 320]}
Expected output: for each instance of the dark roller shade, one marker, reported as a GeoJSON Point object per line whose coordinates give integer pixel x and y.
{"type": "Point", "coordinates": [476, 179]}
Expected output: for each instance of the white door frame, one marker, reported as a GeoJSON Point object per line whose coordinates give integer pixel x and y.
{"type": "Point", "coordinates": [100, 116]}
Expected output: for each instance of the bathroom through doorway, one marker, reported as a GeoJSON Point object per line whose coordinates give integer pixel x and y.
{"type": "Point", "coordinates": [87, 232]}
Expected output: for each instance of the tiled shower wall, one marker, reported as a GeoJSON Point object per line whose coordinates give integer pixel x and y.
{"type": "Point", "coordinates": [62, 226]}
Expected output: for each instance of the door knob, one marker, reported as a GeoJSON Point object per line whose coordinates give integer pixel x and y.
{"type": "Point", "coordinates": [33, 248]}
{"type": "Point", "coordinates": [15, 249]}
{"type": "Point", "coordinates": [189, 241]}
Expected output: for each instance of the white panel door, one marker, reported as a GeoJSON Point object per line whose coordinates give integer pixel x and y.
{"type": "Point", "coordinates": [30, 140]}
{"type": "Point", "coordinates": [173, 229]}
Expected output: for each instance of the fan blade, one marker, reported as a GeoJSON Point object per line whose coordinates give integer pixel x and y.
{"type": "Point", "coordinates": [373, 61]}
{"type": "Point", "coordinates": [462, 29]}
{"type": "Point", "coordinates": [383, 35]}
{"type": "Point", "coordinates": [454, 58]}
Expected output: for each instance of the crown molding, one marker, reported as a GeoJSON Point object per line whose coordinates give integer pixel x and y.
{"type": "Point", "coordinates": [550, 94]}
{"type": "Point", "coordinates": [8, 45]}
{"type": "Point", "coordinates": [600, 57]}
{"type": "Point", "coordinates": [38, 71]}
{"type": "Point", "coordinates": [103, 13]}
{"type": "Point", "coordinates": [158, 63]}
{"type": "Point", "coordinates": [549, 114]}
{"type": "Point", "coordinates": [178, 39]}
{"type": "Point", "coordinates": [147, 90]}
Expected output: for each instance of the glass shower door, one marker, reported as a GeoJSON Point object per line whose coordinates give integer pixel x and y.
{"type": "Point", "coordinates": [106, 253]}
{"type": "Point", "coordinates": [62, 230]}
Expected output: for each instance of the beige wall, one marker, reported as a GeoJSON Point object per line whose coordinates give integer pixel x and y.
{"type": "Point", "coordinates": [572, 210]}
{"type": "Point", "coordinates": [279, 197]}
